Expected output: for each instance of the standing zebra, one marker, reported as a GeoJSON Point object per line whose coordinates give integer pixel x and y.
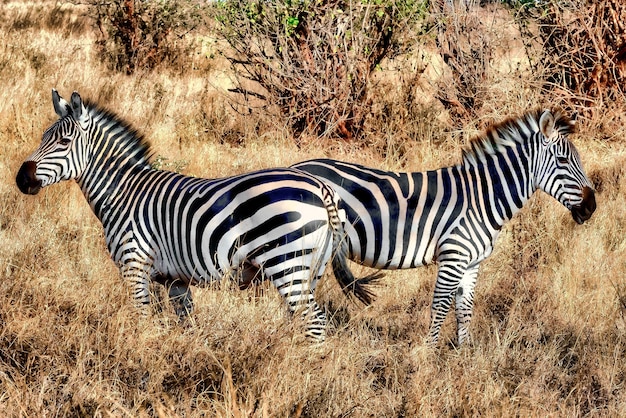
{"type": "Point", "coordinates": [179, 230]}
{"type": "Point", "coordinates": [453, 215]}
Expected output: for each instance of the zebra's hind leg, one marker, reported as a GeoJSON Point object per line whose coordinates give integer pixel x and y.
{"type": "Point", "coordinates": [316, 322]}
{"type": "Point", "coordinates": [135, 272]}
{"type": "Point", "coordinates": [297, 288]}
{"type": "Point", "coordinates": [465, 303]}
{"type": "Point", "coordinates": [295, 270]}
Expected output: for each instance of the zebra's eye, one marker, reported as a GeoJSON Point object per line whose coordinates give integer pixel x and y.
{"type": "Point", "coordinates": [562, 160]}
{"type": "Point", "coordinates": [65, 140]}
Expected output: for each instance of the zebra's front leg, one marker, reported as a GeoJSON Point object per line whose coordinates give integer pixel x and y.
{"type": "Point", "coordinates": [465, 303]}
{"type": "Point", "coordinates": [137, 274]}
{"type": "Point", "coordinates": [448, 278]}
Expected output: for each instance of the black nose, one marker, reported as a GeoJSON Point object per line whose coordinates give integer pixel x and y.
{"type": "Point", "coordinates": [586, 208]}
{"type": "Point", "coordinates": [26, 180]}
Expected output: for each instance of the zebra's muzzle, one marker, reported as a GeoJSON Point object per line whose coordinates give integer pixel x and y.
{"type": "Point", "coordinates": [586, 208]}
{"type": "Point", "coordinates": [26, 179]}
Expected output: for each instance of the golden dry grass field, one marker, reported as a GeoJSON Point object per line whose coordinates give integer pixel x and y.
{"type": "Point", "coordinates": [549, 330]}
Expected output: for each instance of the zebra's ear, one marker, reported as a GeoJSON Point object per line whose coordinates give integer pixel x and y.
{"type": "Point", "coordinates": [61, 107]}
{"type": "Point", "coordinates": [79, 111]}
{"type": "Point", "coordinates": [546, 124]}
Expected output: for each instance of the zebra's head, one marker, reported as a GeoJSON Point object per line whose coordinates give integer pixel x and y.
{"type": "Point", "coordinates": [558, 170]}
{"type": "Point", "coordinates": [61, 154]}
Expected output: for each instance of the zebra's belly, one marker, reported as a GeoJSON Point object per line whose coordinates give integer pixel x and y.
{"type": "Point", "coordinates": [390, 263]}
{"type": "Point", "coordinates": [381, 254]}
{"type": "Point", "coordinates": [398, 260]}
{"type": "Point", "coordinates": [186, 271]}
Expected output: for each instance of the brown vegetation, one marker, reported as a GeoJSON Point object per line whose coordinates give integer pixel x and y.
{"type": "Point", "coordinates": [549, 331]}
{"type": "Point", "coordinates": [585, 49]}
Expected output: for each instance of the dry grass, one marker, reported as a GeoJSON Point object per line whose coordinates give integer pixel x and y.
{"type": "Point", "coordinates": [550, 322]}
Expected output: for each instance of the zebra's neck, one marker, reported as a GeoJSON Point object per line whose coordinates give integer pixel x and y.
{"type": "Point", "coordinates": [115, 154]}
{"type": "Point", "coordinates": [500, 177]}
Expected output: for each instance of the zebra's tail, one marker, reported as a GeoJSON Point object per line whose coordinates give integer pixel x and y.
{"type": "Point", "coordinates": [351, 286]}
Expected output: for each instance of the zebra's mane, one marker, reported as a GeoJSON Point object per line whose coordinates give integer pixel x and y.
{"type": "Point", "coordinates": [510, 132]}
{"type": "Point", "coordinates": [130, 140]}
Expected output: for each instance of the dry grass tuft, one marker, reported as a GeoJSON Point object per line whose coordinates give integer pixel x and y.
{"type": "Point", "coordinates": [550, 318]}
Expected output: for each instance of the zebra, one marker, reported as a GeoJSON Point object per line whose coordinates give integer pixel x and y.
{"type": "Point", "coordinates": [281, 224]}
{"type": "Point", "coordinates": [452, 216]}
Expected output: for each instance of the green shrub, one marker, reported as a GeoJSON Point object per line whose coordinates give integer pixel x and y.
{"type": "Point", "coordinates": [313, 59]}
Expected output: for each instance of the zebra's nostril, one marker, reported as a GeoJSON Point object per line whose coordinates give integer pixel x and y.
{"type": "Point", "coordinates": [26, 180]}
{"type": "Point", "coordinates": [587, 207]}
{"type": "Point", "coordinates": [589, 199]}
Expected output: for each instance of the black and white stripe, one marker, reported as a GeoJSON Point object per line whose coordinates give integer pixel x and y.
{"type": "Point", "coordinates": [453, 215]}
{"type": "Point", "coordinates": [280, 224]}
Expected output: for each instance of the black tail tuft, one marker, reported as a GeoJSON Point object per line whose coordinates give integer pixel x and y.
{"type": "Point", "coordinates": [351, 286]}
{"type": "Point", "coordinates": [360, 288]}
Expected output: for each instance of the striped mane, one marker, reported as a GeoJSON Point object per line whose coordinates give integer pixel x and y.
{"type": "Point", "coordinates": [125, 136]}
{"type": "Point", "coordinates": [512, 131]}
